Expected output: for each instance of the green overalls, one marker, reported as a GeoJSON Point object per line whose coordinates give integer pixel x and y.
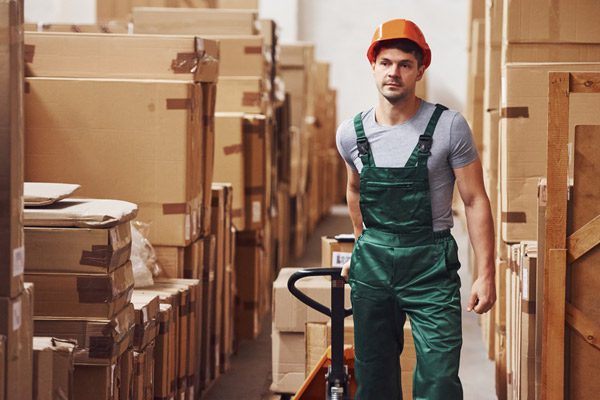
{"type": "Point", "coordinates": [401, 266]}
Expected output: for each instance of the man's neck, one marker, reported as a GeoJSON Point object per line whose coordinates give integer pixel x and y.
{"type": "Point", "coordinates": [387, 113]}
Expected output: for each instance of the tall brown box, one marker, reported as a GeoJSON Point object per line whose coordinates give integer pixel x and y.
{"type": "Point", "coordinates": [16, 324]}
{"type": "Point", "coordinates": [249, 263]}
{"type": "Point", "coordinates": [2, 366]}
{"type": "Point", "coordinates": [151, 129]}
{"type": "Point", "coordinates": [12, 257]}
{"type": "Point", "coordinates": [97, 382]}
{"type": "Point", "coordinates": [208, 280]}
{"type": "Point", "coordinates": [53, 364]}
{"type": "Point", "coordinates": [162, 370]}
{"type": "Point", "coordinates": [219, 230]}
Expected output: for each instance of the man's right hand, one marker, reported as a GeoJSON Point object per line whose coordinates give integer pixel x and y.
{"type": "Point", "coordinates": [345, 270]}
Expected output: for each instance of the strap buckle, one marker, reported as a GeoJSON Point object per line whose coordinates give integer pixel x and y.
{"type": "Point", "coordinates": [363, 147]}
{"type": "Point", "coordinates": [425, 144]}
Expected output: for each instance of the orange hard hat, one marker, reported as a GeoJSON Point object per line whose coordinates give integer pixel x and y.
{"type": "Point", "coordinates": [400, 29]}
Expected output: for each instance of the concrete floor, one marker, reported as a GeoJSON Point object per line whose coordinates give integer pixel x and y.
{"type": "Point", "coordinates": [250, 375]}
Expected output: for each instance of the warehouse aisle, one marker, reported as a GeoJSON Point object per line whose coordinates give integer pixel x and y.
{"type": "Point", "coordinates": [250, 374]}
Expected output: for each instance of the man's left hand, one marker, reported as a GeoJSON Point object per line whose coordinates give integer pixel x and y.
{"type": "Point", "coordinates": [483, 295]}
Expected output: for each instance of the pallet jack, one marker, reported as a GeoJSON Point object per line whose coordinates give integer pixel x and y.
{"type": "Point", "coordinates": [334, 370]}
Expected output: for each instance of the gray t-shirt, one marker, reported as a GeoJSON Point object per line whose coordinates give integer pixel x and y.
{"type": "Point", "coordinates": [391, 146]}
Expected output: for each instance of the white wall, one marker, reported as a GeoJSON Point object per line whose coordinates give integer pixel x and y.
{"type": "Point", "coordinates": [342, 31]}
{"type": "Point", "coordinates": [60, 11]}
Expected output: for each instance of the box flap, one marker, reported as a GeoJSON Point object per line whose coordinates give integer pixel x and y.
{"type": "Point", "coordinates": [37, 194]}
{"type": "Point", "coordinates": [81, 213]}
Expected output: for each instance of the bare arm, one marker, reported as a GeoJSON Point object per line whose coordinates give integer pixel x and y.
{"type": "Point", "coordinates": [353, 198]}
{"type": "Point", "coordinates": [480, 225]}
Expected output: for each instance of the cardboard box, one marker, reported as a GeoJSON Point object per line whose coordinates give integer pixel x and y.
{"type": "Point", "coordinates": [335, 253]}
{"type": "Point", "coordinates": [149, 372]}
{"type": "Point", "coordinates": [291, 315]}
{"type": "Point", "coordinates": [53, 364]}
{"type": "Point", "coordinates": [528, 315]}
{"type": "Point", "coordinates": [12, 255]}
{"type": "Point", "coordinates": [97, 382]}
{"type": "Point", "coordinates": [126, 366]}
{"type": "Point", "coordinates": [77, 250]}
{"type": "Point", "coordinates": [553, 21]}
{"type": "Point", "coordinates": [171, 260]}
{"type": "Point", "coordinates": [146, 308]}
{"type": "Point", "coordinates": [197, 21]}
{"type": "Point", "coordinates": [157, 141]}
{"type": "Point", "coordinates": [288, 361]}
{"type": "Point", "coordinates": [208, 280]}
{"type": "Point", "coordinates": [248, 265]}
{"type": "Point", "coordinates": [296, 61]}
{"type": "Point", "coordinates": [104, 28]}
{"type": "Point", "coordinates": [218, 228]}
{"type": "Point", "coordinates": [242, 94]}
{"type": "Point", "coordinates": [99, 341]}
{"type": "Point", "coordinates": [162, 376]}
{"type": "Point", "coordinates": [209, 95]}
{"type": "Point", "coordinates": [242, 55]}
{"type": "Point", "coordinates": [139, 364]}
{"type": "Point", "coordinates": [82, 295]}
{"type": "Point", "coordinates": [551, 52]}
{"type": "Point", "coordinates": [193, 260]}
{"type": "Point", "coordinates": [523, 160]}
{"type": "Point", "coordinates": [77, 55]}
{"type": "Point", "coordinates": [240, 160]}
{"type": "Point", "coordinates": [16, 324]}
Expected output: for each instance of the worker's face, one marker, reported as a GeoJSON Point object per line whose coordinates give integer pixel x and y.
{"type": "Point", "coordinates": [396, 74]}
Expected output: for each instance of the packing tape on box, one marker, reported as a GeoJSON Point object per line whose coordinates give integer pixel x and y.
{"type": "Point", "coordinates": [179, 104]}
{"type": "Point", "coordinates": [175, 208]}
{"type": "Point", "coordinates": [514, 112]}
{"type": "Point", "coordinates": [514, 217]}
{"type": "Point", "coordinates": [233, 149]}
{"type": "Point", "coordinates": [28, 52]}
{"type": "Point", "coordinates": [250, 99]}
{"type": "Point", "coordinates": [185, 63]}
{"type": "Point", "coordinates": [253, 50]}
{"type": "Point", "coordinates": [104, 256]}
{"type": "Point", "coordinates": [528, 307]}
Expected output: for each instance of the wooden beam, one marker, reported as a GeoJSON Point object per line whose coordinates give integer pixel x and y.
{"type": "Point", "coordinates": [584, 82]}
{"type": "Point", "coordinates": [553, 336]}
{"type": "Point", "coordinates": [584, 326]}
{"type": "Point", "coordinates": [586, 238]}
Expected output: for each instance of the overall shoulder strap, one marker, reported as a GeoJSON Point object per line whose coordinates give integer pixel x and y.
{"type": "Point", "coordinates": [423, 147]}
{"type": "Point", "coordinates": [364, 150]}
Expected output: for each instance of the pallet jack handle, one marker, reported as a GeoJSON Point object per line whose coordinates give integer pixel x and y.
{"type": "Point", "coordinates": [337, 376]}
{"type": "Point", "coordinates": [308, 272]}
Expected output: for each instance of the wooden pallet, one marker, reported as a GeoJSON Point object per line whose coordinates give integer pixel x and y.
{"type": "Point", "coordinates": [571, 238]}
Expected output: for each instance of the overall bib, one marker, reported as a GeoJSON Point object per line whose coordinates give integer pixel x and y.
{"type": "Point", "coordinates": [400, 267]}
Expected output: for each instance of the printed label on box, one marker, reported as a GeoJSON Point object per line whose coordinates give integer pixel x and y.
{"type": "Point", "coordinates": [17, 315]}
{"type": "Point", "coordinates": [18, 261]}
{"type": "Point", "coordinates": [339, 258]}
{"type": "Point", "coordinates": [525, 286]}
{"type": "Point", "coordinates": [256, 211]}
{"type": "Point", "coordinates": [188, 227]}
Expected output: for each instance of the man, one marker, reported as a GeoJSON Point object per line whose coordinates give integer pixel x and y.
{"type": "Point", "coordinates": [403, 157]}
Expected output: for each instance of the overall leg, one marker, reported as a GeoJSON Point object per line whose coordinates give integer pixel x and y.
{"type": "Point", "coordinates": [431, 298]}
{"type": "Point", "coordinates": [376, 348]}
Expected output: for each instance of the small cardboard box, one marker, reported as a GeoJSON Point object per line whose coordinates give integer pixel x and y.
{"type": "Point", "coordinates": [82, 295]}
{"type": "Point", "coordinates": [147, 307]}
{"type": "Point", "coordinates": [77, 250]}
{"type": "Point", "coordinates": [12, 254]}
{"type": "Point", "coordinates": [146, 145]}
{"type": "Point", "coordinates": [335, 253]}
{"type": "Point", "coordinates": [16, 324]}
{"type": "Point", "coordinates": [289, 313]}
{"type": "Point", "coordinates": [97, 382]}
{"type": "Point", "coordinates": [53, 364]}
{"type": "Point", "coordinates": [288, 361]}
{"type": "Point", "coordinates": [99, 341]}
{"type": "Point", "coordinates": [83, 55]}
{"type": "Point", "coordinates": [194, 21]}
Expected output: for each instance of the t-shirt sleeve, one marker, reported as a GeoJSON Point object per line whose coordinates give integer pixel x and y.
{"type": "Point", "coordinates": [344, 145]}
{"type": "Point", "coordinates": [462, 147]}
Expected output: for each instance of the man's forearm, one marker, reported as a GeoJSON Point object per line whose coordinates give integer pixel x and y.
{"type": "Point", "coordinates": [353, 198]}
{"type": "Point", "coordinates": [481, 234]}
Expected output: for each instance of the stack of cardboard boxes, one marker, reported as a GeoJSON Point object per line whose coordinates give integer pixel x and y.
{"type": "Point", "coordinates": [523, 42]}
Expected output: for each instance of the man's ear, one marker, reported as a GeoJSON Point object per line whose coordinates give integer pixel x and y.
{"type": "Point", "coordinates": [421, 72]}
